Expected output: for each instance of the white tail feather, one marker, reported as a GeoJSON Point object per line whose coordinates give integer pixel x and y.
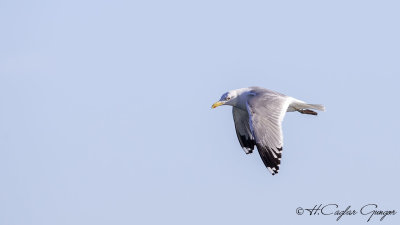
{"type": "Point", "coordinates": [297, 104]}
{"type": "Point", "coordinates": [315, 106]}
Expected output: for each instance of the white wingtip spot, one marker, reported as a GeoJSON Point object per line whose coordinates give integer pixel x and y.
{"type": "Point", "coordinates": [247, 150]}
{"type": "Point", "coordinates": [271, 171]}
{"type": "Point", "coordinates": [273, 153]}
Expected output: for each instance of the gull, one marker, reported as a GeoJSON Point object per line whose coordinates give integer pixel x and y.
{"type": "Point", "coordinates": [258, 114]}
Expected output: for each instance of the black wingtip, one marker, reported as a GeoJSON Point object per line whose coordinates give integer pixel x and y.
{"type": "Point", "coordinates": [270, 157]}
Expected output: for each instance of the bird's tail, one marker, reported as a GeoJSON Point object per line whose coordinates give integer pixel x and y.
{"type": "Point", "coordinates": [315, 106]}
{"type": "Point", "coordinates": [305, 108]}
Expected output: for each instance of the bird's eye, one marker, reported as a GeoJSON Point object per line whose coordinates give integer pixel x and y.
{"type": "Point", "coordinates": [228, 98]}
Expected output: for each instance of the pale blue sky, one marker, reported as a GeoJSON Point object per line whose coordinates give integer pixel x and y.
{"type": "Point", "coordinates": [105, 110]}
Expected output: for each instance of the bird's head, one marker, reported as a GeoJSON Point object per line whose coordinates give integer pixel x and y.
{"type": "Point", "coordinates": [229, 98]}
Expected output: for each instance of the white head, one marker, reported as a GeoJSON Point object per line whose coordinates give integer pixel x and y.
{"type": "Point", "coordinates": [230, 98]}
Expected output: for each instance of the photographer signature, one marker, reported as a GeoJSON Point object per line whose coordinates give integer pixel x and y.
{"type": "Point", "coordinates": [369, 210]}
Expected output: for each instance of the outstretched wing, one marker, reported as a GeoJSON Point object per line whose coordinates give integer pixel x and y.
{"type": "Point", "coordinates": [243, 132]}
{"type": "Point", "coordinates": [266, 110]}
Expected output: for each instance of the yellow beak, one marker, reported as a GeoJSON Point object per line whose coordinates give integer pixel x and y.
{"type": "Point", "coordinates": [215, 105]}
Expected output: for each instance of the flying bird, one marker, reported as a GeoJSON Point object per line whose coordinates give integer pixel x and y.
{"type": "Point", "coordinates": [258, 114]}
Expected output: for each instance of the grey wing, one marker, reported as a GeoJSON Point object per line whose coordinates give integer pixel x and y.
{"type": "Point", "coordinates": [267, 111]}
{"type": "Point", "coordinates": [243, 132]}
